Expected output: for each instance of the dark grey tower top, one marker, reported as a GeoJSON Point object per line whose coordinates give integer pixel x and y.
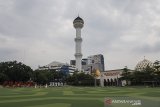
{"type": "Point", "coordinates": [78, 22]}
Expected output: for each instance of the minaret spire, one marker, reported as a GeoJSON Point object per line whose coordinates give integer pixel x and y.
{"type": "Point", "coordinates": [78, 25]}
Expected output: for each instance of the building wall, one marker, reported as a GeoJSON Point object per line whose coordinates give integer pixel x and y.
{"type": "Point", "coordinates": [91, 63]}
{"type": "Point", "coordinates": [59, 67]}
{"type": "Point", "coordinates": [112, 74]}
{"type": "Point", "coordinates": [96, 62]}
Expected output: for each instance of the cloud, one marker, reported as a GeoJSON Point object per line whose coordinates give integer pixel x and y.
{"type": "Point", "coordinates": [38, 32]}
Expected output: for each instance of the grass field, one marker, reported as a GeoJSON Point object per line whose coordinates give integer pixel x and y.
{"type": "Point", "coordinates": [74, 96]}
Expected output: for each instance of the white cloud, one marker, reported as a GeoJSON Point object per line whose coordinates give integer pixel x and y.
{"type": "Point", "coordinates": [38, 32]}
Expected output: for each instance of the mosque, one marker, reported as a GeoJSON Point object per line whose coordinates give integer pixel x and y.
{"type": "Point", "coordinates": [92, 63]}
{"type": "Point", "coordinates": [109, 77]}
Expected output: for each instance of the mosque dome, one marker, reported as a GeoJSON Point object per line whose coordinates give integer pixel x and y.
{"type": "Point", "coordinates": [78, 22]}
{"type": "Point", "coordinates": [143, 64]}
{"type": "Point", "coordinates": [97, 73]}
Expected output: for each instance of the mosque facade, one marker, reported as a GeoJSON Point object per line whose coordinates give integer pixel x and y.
{"type": "Point", "coordinates": [112, 77]}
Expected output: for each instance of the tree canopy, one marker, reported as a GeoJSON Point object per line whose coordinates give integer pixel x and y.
{"type": "Point", "coordinates": [80, 79]}
{"type": "Point", "coordinates": [146, 75]}
{"type": "Point", "coordinates": [15, 71]}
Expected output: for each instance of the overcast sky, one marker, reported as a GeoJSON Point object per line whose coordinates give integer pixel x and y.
{"type": "Point", "coordinates": [37, 32]}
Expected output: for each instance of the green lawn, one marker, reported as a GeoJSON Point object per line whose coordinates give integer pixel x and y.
{"type": "Point", "coordinates": [75, 96]}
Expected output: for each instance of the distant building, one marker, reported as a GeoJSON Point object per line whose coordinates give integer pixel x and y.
{"type": "Point", "coordinates": [73, 62]}
{"type": "Point", "coordinates": [91, 63]}
{"type": "Point", "coordinates": [85, 66]}
{"type": "Point", "coordinates": [84, 63]}
{"type": "Point", "coordinates": [59, 67]}
{"type": "Point", "coordinates": [112, 77]}
{"type": "Point", "coordinates": [96, 62]}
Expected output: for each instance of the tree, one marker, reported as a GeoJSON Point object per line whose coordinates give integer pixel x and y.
{"type": "Point", "coordinates": [42, 76]}
{"type": "Point", "coordinates": [126, 75]}
{"type": "Point", "coordinates": [3, 77]}
{"type": "Point", "coordinates": [15, 71]}
{"type": "Point", "coordinates": [80, 79]}
{"type": "Point", "coordinates": [156, 65]}
{"type": "Point", "coordinates": [46, 76]}
{"type": "Point", "coordinates": [147, 75]}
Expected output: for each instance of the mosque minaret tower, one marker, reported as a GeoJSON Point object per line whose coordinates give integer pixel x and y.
{"type": "Point", "coordinates": [78, 25]}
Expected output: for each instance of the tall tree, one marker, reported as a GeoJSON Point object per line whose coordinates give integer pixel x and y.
{"type": "Point", "coordinates": [15, 71]}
